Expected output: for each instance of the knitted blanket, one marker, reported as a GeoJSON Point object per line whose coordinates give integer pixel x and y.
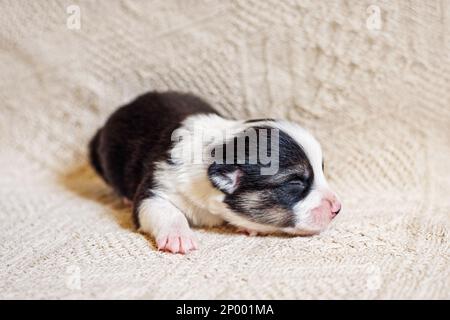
{"type": "Point", "coordinates": [370, 79]}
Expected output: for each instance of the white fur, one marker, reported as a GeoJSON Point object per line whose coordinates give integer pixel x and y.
{"type": "Point", "coordinates": [188, 188]}
{"type": "Point", "coordinates": [168, 225]}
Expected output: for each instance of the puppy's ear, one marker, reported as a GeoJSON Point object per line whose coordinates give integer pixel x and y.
{"type": "Point", "coordinates": [226, 178]}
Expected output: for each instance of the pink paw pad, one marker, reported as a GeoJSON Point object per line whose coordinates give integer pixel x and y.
{"type": "Point", "coordinates": [175, 243]}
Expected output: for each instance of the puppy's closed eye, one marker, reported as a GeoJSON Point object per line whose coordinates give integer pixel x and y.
{"type": "Point", "coordinates": [296, 182]}
{"type": "Point", "coordinates": [300, 179]}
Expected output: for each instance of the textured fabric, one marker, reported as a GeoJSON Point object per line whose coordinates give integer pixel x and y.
{"type": "Point", "coordinates": [376, 96]}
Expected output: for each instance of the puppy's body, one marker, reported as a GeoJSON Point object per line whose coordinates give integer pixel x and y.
{"type": "Point", "coordinates": [126, 151]}
{"type": "Point", "coordinates": [138, 154]}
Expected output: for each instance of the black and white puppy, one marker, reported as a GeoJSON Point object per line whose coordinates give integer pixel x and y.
{"type": "Point", "coordinates": [180, 163]}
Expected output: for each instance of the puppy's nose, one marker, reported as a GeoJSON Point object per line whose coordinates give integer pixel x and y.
{"type": "Point", "coordinates": [336, 205]}
{"type": "Point", "coordinates": [338, 210]}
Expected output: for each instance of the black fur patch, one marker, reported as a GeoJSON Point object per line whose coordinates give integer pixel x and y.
{"type": "Point", "coordinates": [138, 135]}
{"type": "Point", "coordinates": [267, 199]}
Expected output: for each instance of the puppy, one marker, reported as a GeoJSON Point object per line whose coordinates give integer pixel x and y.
{"type": "Point", "coordinates": [180, 163]}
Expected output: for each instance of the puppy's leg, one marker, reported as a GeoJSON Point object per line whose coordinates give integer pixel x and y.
{"type": "Point", "coordinates": [167, 224]}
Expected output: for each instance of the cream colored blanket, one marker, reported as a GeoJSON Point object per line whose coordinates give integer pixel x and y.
{"type": "Point", "coordinates": [371, 79]}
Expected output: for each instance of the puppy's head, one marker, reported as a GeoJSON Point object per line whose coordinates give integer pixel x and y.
{"type": "Point", "coordinates": [271, 176]}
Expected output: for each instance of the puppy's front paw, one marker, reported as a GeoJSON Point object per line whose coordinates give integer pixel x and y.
{"type": "Point", "coordinates": [177, 241]}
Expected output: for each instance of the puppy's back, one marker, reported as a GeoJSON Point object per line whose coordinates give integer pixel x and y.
{"type": "Point", "coordinates": [137, 135]}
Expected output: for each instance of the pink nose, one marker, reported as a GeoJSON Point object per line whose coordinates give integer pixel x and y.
{"type": "Point", "coordinates": [335, 205]}
{"type": "Point", "coordinates": [329, 206]}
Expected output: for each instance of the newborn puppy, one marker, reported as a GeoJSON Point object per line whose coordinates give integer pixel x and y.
{"type": "Point", "coordinates": [180, 163]}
